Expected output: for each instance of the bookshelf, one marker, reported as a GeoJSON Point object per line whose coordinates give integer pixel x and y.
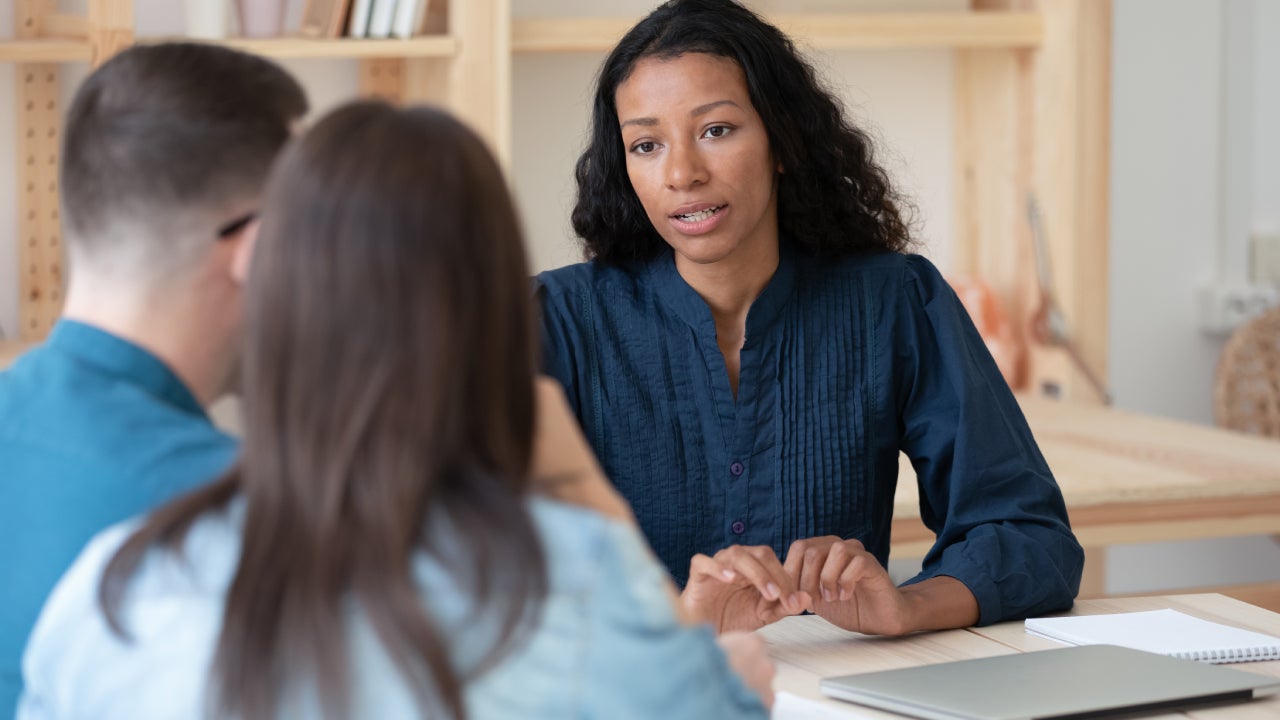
{"type": "Point", "coordinates": [464, 69]}
{"type": "Point", "coordinates": [1031, 117]}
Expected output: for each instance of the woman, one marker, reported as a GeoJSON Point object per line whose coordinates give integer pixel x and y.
{"type": "Point", "coordinates": [750, 347]}
{"type": "Point", "coordinates": [376, 553]}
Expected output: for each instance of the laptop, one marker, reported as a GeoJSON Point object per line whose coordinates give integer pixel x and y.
{"type": "Point", "coordinates": [1060, 684]}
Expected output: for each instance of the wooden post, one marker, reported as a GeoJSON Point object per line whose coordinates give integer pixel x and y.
{"type": "Point", "coordinates": [1071, 179]}
{"type": "Point", "coordinates": [382, 78]}
{"type": "Point", "coordinates": [110, 28]}
{"type": "Point", "coordinates": [40, 278]}
{"type": "Point", "coordinates": [479, 78]}
{"type": "Point", "coordinates": [1035, 123]}
{"type": "Point", "coordinates": [993, 167]}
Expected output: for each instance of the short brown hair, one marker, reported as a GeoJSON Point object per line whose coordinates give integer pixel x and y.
{"type": "Point", "coordinates": [171, 128]}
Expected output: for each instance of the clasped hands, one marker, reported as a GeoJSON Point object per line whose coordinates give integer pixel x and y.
{"type": "Point", "coordinates": [744, 588]}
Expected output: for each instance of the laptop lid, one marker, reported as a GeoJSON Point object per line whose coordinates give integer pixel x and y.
{"type": "Point", "coordinates": [1072, 682]}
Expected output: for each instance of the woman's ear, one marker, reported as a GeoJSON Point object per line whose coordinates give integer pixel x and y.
{"type": "Point", "coordinates": [242, 253]}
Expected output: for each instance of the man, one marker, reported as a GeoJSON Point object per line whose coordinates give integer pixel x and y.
{"type": "Point", "coordinates": [165, 153]}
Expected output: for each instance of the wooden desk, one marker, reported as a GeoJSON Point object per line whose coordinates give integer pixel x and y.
{"type": "Point", "coordinates": [1131, 478]}
{"type": "Point", "coordinates": [806, 649]}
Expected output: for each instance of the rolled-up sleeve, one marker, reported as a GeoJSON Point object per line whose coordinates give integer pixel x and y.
{"type": "Point", "coordinates": [985, 488]}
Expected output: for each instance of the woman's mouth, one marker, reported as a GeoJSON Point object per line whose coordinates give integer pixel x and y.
{"type": "Point", "coordinates": [699, 216]}
{"type": "Point", "coordinates": [698, 221]}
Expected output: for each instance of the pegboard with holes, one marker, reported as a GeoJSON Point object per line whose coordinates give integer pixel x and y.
{"type": "Point", "coordinates": [41, 282]}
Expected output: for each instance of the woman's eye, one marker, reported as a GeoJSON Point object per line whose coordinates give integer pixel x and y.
{"type": "Point", "coordinates": [644, 148]}
{"type": "Point", "coordinates": [717, 131]}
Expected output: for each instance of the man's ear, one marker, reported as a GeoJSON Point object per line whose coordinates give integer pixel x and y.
{"type": "Point", "coordinates": [242, 252]}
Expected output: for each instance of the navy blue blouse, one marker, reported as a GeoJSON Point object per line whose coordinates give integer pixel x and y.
{"type": "Point", "coordinates": [846, 362]}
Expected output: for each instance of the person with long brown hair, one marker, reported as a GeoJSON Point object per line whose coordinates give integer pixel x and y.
{"type": "Point", "coordinates": [416, 528]}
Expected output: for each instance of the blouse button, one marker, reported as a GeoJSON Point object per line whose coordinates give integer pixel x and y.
{"type": "Point", "coordinates": [738, 527]}
{"type": "Point", "coordinates": [736, 469]}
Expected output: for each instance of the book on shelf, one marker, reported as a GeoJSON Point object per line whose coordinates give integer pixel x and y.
{"type": "Point", "coordinates": [358, 23]}
{"type": "Point", "coordinates": [1165, 632]}
{"type": "Point", "coordinates": [381, 17]}
{"type": "Point", "coordinates": [324, 18]}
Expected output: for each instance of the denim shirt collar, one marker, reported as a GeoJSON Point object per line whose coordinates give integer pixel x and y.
{"type": "Point", "coordinates": [118, 358]}
{"type": "Point", "coordinates": [689, 306]}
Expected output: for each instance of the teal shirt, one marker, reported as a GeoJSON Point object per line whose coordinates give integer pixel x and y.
{"type": "Point", "coordinates": [93, 430]}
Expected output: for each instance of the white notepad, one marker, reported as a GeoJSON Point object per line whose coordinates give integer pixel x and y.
{"type": "Point", "coordinates": [1167, 632]}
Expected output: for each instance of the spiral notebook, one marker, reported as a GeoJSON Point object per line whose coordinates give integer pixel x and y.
{"type": "Point", "coordinates": [1166, 632]}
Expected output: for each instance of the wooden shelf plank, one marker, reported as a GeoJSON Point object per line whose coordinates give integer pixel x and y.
{"type": "Point", "coordinates": [826, 31]}
{"type": "Point", "coordinates": [300, 47]}
{"type": "Point", "coordinates": [44, 51]}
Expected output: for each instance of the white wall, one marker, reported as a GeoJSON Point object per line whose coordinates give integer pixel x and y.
{"type": "Point", "coordinates": [1195, 170]}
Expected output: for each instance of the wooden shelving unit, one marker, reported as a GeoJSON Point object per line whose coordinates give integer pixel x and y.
{"type": "Point", "coordinates": [1031, 117]}
{"type": "Point", "coordinates": [466, 69]}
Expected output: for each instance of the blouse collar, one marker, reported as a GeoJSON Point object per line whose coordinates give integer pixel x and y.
{"type": "Point", "coordinates": [689, 306]}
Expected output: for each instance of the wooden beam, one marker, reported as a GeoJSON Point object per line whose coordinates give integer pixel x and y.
{"type": "Point", "coordinates": [300, 47]}
{"type": "Point", "coordinates": [825, 31]}
{"type": "Point", "coordinates": [43, 51]}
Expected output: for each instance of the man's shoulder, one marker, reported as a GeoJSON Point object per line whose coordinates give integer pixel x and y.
{"type": "Point", "coordinates": [63, 429]}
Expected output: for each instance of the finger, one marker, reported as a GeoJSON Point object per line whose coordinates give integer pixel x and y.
{"type": "Point", "coordinates": [815, 557]}
{"type": "Point", "coordinates": [771, 612]}
{"type": "Point", "coordinates": [760, 567]}
{"type": "Point", "coordinates": [861, 567]}
{"type": "Point", "coordinates": [838, 559]}
{"type": "Point", "coordinates": [795, 558]}
{"type": "Point", "coordinates": [704, 567]}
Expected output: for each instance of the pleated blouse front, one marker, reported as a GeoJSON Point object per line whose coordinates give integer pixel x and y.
{"type": "Point", "coordinates": [845, 363]}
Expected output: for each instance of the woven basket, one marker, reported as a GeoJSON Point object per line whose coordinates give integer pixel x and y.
{"type": "Point", "coordinates": [1246, 388]}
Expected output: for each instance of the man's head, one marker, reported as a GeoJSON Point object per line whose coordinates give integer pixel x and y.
{"type": "Point", "coordinates": [165, 146]}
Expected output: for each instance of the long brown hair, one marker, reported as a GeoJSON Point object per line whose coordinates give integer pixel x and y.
{"type": "Point", "coordinates": [388, 391]}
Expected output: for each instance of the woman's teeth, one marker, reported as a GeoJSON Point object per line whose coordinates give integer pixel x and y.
{"type": "Point", "coordinates": [700, 215]}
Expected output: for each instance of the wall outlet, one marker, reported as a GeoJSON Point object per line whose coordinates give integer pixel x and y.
{"type": "Point", "coordinates": [1223, 308]}
{"type": "Point", "coordinates": [1264, 263]}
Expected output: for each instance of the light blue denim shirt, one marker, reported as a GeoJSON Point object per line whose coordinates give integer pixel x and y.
{"type": "Point", "coordinates": [606, 645]}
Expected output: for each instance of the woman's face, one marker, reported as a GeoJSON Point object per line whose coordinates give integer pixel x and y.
{"type": "Point", "coordinates": [698, 157]}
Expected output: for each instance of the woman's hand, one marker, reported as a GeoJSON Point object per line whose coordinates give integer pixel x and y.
{"type": "Point", "coordinates": [741, 589]}
{"type": "Point", "coordinates": [563, 467]}
{"type": "Point", "coordinates": [852, 589]}
{"type": "Point", "coordinates": [749, 657]}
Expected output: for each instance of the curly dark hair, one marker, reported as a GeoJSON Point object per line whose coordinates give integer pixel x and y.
{"type": "Point", "coordinates": [833, 199]}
